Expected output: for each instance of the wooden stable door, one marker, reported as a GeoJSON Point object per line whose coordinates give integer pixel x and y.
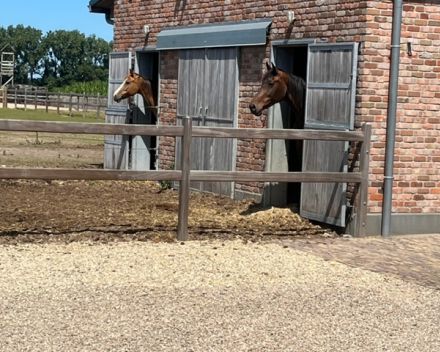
{"type": "Point", "coordinates": [207, 92]}
{"type": "Point", "coordinates": [143, 148]}
{"type": "Point", "coordinates": [330, 102]}
{"type": "Point", "coordinates": [116, 146]}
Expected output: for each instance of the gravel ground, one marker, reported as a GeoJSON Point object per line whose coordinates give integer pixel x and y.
{"type": "Point", "coordinates": [204, 296]}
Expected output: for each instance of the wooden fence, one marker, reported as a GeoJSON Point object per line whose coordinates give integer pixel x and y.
{"type": "Point", "coordinates": [33, 99]}
{"type": "Point", "coordinates": [185, 174]}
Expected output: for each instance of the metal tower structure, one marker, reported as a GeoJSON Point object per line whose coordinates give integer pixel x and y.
{"type": "Point", "coordinates": [7, 64]}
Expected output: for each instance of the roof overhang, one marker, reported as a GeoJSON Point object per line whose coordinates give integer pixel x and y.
{"type": "Point", "coordinates": [224, 34]}
{"type": "Point", "coordinates": [103, 6]}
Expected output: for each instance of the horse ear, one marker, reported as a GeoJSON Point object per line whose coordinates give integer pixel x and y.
{"type": "Point", "coordinates": [131, 72]}
{"type": "Point", "coordinates": [274, 69]}
{"type": "Point", "coordinates": [268, 66]}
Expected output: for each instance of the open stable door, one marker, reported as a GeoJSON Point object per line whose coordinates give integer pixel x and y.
{"type": "Point", "coordinates": [143, 148]}
{"type": "Point", "coordinates": [330, 103]}
{"type": "Point", "coordinates": [116, 148]}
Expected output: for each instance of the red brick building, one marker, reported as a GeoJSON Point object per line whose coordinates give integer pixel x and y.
{"type": "Point", "coordinates": [365, 26]}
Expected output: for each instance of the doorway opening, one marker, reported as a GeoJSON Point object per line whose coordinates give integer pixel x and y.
{"type": "Point", "coordinates": [287, 155]}
{"type": "Point", "coordinates": [144, 148]}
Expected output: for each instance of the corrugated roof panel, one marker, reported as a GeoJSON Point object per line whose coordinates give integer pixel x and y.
{"type": "Point", "coordinates": [243, 33]}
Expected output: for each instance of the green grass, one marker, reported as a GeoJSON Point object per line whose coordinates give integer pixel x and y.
{"type": "Point", "coordinates": [42, 115]}
{"type": "Point", "coordinates": [93, 87]}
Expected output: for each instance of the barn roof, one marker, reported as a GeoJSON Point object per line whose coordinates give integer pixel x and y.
{"type": "Point", "coordinates": [103, 6]}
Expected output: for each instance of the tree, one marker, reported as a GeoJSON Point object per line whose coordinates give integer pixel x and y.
{"type": "Point", "coordinates": [58, 58]}
{"type": "Point", "coordinates": [28, 51]}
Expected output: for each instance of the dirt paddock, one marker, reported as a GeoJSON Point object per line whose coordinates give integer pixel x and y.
{"type": "Point", "coordinates": [40, 211]}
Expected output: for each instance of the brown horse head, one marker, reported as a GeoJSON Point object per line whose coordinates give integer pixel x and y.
{"type": "Point", "coordinates": [133, 84]}
{"type": "Point", "coordinates": [273, 90]}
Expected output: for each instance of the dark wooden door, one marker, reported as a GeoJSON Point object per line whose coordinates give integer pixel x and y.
{"type": "Point", "coordinates": [330, 102]}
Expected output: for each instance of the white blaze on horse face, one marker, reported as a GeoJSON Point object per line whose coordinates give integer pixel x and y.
{"type": "Point", "coordinates": [115, 94]}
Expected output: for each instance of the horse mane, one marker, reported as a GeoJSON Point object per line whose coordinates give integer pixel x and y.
{"type": "Point", "coordinates": [146, 85]}
{"type": "Point", "coordinates": [296, 89]}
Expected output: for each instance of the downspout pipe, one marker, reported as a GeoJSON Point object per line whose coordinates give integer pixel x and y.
{"type": "Point", "coordinates": [109, 18]}
{"type": "Point", "coordinates": [391, 119]}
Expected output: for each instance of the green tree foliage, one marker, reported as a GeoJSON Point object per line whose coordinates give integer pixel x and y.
{"type": "Point", "coordinates": [57, 59]}
{"type": "Point", "coordinates": [26, 42]}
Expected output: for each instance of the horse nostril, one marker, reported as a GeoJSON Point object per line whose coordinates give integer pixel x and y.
{"type": "Point", "coordinates": [252, 106]}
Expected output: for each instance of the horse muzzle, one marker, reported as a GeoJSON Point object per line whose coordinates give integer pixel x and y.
{"type": "Point", "coordinates": [255, 110]}
{"type": "Point", "coordinates": [117, 98]}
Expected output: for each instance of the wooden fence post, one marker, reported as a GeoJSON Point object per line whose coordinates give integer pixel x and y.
{"type": "Point", "coordinates": [182, 222]}
{"type": "Point", "coordinates": [25, 99]}
{"type": "Point", "coordinates": [364, 169]}
{"type": "Point", "coordinates": [5, 97]}
{"type": "Point", "coordinates": [70, 104]}
{"type": "Point", "coordinates": [98, 110]}
{"type": "Point", "coordinates": [58, 103]}
{"type": "Point", "coordinates": [47, 101]}
{"type": "Point", "coordinates": [35, 100]}
{"type": "Point", "coordinates": [15, 98]}
{"type": "Point", "coordinates": [84, 104]}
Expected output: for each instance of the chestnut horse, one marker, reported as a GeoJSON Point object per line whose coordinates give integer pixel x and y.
{"type": "Point", "coordinates": [278, 85]}
{"type": "Point", "coordinates": [134, 83]}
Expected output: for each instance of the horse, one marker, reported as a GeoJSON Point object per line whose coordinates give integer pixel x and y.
{"type": "Point", "coordinates": [278, 85]}
{"type": "Point", "coordinates": [133, 84]}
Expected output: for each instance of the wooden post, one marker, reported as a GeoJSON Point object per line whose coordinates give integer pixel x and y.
{"type": "Point", "coordinates": [15, 99]}
{"type": "Point", "coordinates": [25, 99]}
{"type": "Point", "coordinates": [5, 97]}
{"type": "Point", "coordinates": [47, 101]}
{"type": "Point", "coordinates": [84, 104]}
{"type": "Point", "coordinates": [70, 104]}
{"type": "Point", "coordinates": [99, 107]}
{"type": "Point", "coordinates": [58, 103]}
{"type": "Point", "coordinates": [35, 100]}
{"type": "Point", "coordinates": [182, 224]}
{"type": "Point", "coordinates": [364, 169]}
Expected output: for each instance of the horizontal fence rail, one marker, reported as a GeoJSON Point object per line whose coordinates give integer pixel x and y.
{"type": "Point", "coordinates": [176, 175]}
{"type": "Point", "coordinates": [149, 130]}
{"type": "Point", "coordinates": [186, 175]}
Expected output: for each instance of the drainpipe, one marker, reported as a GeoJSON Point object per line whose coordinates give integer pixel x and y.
{"type": "Point", "coordinates": [109, 18]}
{"type": "Point", "coordinates": [391, 119]}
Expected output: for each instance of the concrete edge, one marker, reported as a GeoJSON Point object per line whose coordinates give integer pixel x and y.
{"type": "Point", "coordinates": [401, 224]}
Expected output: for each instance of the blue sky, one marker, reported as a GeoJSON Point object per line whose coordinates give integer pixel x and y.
{"type": "Point", "coordinates": [52, 15]}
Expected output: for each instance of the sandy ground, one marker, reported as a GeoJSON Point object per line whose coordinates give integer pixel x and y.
{"type": "Point", "coordinates": [204, 296]}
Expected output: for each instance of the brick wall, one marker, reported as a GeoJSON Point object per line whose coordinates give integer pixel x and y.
{"type": "Point", "coordinates": [250, 153]}
{"type": "Point", "coordinates": [416, 186]}
{"type": "Point", "coordinates": [168, 105]}
{"type": "Point", "coordinates": [417, 161]}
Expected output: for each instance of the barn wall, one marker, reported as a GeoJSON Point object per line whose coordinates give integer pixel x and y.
{"type": "Point", "coordinates": [250, 153]}
{"type": "Point", "coordinates": [417, 162]}
{"type": "Point", "coordinates": [168, 105]}
{"type": "Point", "coordinates": [417, 155]}
{"type": "Point", "coordinates": [329, 20]}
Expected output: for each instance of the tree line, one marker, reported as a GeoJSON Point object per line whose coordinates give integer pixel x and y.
{"type": "Point", "coordinates": [56, 59]}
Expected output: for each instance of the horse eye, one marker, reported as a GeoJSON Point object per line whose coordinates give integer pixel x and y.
{"type": "Point", "coordinates": [271, 83]}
